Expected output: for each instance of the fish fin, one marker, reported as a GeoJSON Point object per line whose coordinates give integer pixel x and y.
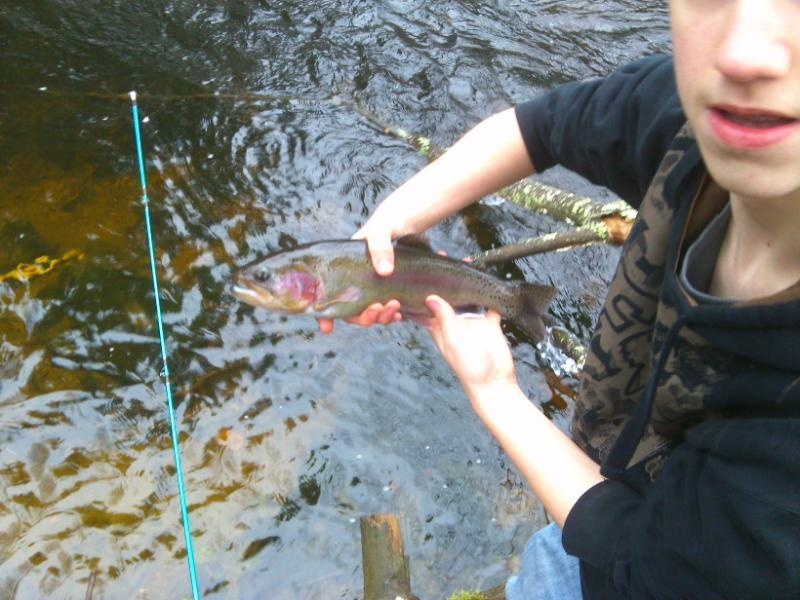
{"type": "Point", "coordinates": [351, 294]}
{"type": "Point", "coordinates": [415, 240]}
{"type": "Point", "coordinates": [534, 300]}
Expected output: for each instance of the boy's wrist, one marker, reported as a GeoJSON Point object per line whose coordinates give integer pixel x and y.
{"type": "Point", "coordinates": [494, 391]}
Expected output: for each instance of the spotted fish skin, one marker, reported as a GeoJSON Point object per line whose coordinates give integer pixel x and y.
{"type": "Point", "coordinates": [335, 279]}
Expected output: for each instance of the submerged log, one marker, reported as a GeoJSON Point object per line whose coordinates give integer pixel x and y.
{"type": "Point", "coordinates": [386, 574]}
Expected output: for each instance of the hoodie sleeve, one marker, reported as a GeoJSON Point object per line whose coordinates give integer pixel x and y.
{"type": "Point", "coordinates": [614, 131]}
{"type": "Point", "coordinates": [722, 520]}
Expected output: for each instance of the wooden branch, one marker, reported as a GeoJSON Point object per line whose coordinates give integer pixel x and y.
{"type": "Point", "coordinates": [589, 234]}
{"type": "Point", "coordinates": [386, 575]}
{"type": "Point", "coordinates": [618, 227]}
{"type": "Point", "coordinates": [564, 206]}
{"type": "Point", "coordinates": [420, 143]}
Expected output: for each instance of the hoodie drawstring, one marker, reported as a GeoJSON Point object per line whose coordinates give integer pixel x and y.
{"type": "Point", "coordinates": [623, 449]}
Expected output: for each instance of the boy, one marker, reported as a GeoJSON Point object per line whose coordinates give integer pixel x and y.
{"type": "Point", "coordinates": [683, 479]}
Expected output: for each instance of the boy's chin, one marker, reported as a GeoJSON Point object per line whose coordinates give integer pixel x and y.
{"type": "Point", "coordinates": [754, 176]}
{"type": "Point", "coordinates": [755, 182]}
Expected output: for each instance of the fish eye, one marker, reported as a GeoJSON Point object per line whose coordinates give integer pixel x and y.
{"type": "Point", "coordinates": [262, 276]}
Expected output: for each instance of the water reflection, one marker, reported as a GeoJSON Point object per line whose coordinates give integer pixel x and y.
{"type": "Point", "coordinates": [287, 436]}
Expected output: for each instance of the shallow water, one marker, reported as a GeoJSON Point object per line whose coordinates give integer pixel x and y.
{"type": "Point", "coordinates": [253, 143]}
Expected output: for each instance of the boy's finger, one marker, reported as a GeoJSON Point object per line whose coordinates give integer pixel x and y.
{"type": "Point", "coordinates": [368, 316]}
{"type": "Point", "coordinates": [390, 313]}
{"type": "Point", "coordinates": [440, 308]}
{"type": "Point", "coordinates": [381, 252]}
{"type": "Point", "coordinates": [325, 326]}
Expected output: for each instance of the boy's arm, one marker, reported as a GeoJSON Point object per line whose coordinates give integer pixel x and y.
{"type": "Point", "coordinates": [476, 348]}
{"type": "Point", "coordinates": [614, 131]}
{"type": "Point", "coordinates": [722, 520]}
{"type": "Point", "coordinates": [488, 157]}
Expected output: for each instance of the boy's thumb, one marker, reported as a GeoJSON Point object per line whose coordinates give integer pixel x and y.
{"type": "Point", "coordinates": [439, 307]}
{"type": "Point", "coordinates": [381, 252]}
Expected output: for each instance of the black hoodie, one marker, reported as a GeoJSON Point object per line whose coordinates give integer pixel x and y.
{"type": "Point", "coordinates": [693, 409]}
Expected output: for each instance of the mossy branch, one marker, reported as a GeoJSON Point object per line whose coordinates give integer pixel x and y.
{"type": "Point", "coordinates": [564, 206]}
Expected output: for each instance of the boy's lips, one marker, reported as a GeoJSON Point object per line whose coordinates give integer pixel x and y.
{"type": "Point", "coordinates": [750, 128]}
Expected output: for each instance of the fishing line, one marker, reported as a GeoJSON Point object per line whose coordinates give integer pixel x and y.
{"type": "Point", "coordinates": [187, 533]}
{"type": "Point", "coordinates": [333, 98]}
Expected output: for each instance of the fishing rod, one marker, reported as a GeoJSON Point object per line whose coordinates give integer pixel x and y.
{"type": "Point", "coordinates": [187, 532]}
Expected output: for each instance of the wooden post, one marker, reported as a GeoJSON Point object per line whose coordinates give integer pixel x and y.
{"type": "Point", "coordinates": [386, 575]}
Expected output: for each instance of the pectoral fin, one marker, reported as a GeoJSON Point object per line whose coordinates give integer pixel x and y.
{"type": "Point", "coordinates": [347, 296]}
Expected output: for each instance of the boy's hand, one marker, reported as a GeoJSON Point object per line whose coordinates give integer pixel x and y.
{"type": "Point", "coordinates": [381, 252]}
{"type": "Point", "coordinates": [374, 314]}
{"type": "Point", "coordinates": [474, 347]}
{"type": "Point", "coordinates": [379, 243]}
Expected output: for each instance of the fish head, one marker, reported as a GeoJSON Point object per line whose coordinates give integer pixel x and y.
{"type": "Point", "coordinates": [283, 285]}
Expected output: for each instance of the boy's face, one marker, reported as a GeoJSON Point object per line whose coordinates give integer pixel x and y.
{"type": "Point", "coordinates": [737, 64]}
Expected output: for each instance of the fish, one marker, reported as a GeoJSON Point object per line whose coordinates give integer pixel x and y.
{"type": "Point", "coordinates": [335, 279]}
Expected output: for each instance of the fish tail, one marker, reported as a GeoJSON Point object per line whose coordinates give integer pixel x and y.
{"type": "Point", "coordinates": [533, 302]}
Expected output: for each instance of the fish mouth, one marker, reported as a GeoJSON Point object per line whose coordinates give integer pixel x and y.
{"type": "Point", "coordinates": [261, 298]}
{"type": "Point", "coordinates": [246, 294]}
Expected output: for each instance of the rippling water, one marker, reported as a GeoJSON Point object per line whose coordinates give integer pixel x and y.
{"type": "Point", "coordinates": [288, 437]}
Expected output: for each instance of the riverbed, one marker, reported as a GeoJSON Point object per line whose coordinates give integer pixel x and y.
{"type": "Point", "coordinates": [253, 144]}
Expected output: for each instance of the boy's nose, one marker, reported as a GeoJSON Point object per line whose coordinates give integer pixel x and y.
{"type": "Point", "coordinates": [755, 44]}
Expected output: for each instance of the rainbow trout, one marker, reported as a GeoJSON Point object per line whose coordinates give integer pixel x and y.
{"type": "Point", "coordinates": [335, 279]}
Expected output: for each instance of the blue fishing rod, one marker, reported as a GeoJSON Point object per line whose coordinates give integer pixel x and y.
{"type": "Point", "coordinates": [187, 531]}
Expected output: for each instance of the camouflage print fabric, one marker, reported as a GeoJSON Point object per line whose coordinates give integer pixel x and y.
{"type": "Point", "coordinates": [618, 365]}
{"type": "Point", "coordinates": [698, 380]}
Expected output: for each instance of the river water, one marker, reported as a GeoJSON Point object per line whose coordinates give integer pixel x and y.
{"type": "Point", "coordinates": [253, 144]}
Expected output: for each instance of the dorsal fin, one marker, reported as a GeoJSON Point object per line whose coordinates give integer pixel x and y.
{"type": "Point", "coordinates": [415, 240]}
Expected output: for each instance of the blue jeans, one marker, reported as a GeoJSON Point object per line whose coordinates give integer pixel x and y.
{"type": "Point", "coordinates": [547, 572]}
